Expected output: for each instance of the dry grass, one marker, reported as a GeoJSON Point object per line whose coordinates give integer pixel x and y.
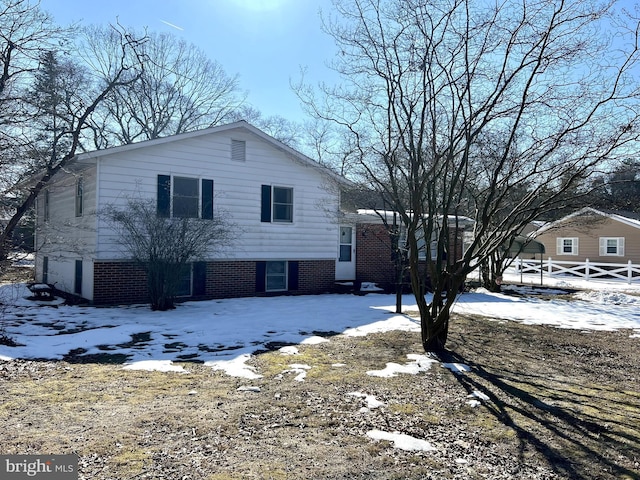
{"type": "Point", "coordinates": [563, 404]}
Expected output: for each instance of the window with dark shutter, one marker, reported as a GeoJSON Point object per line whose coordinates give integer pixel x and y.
{"type": "Point", "coordinates": [164, 196]}
{"type": "Point", "coordinates": [185, 197]}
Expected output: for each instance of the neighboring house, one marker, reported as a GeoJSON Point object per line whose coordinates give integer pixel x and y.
{"type": "Point", "coordinates": [597, 235]}
{"type": "Point", "coordinates": [368, 231]}
{"type": "Point", "coordinates": [284, 205]}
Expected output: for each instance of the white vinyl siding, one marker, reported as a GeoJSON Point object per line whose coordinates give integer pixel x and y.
{"type": "Point", "coordinates": [312, 203]}
{"type": "Point", "coordinates": [567, 246]}
{"type": "Point", "coordinates": [612, 246]}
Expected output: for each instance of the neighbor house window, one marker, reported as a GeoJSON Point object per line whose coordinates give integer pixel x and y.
{"type": "Point", "coordinates": [238, 150]}
{"type": "Point", "coordinates": [79, 197]}
{"type": "Point", "coordinates": [567, 246]}
{"type": "Point", "coordinates": [45, 209]}
{"type": "Point", "coordinates": [184, 197]}
{"type": "Point", "coordinates": [277, 204]}
{"type": "Point", "coordinates": [612, 246]}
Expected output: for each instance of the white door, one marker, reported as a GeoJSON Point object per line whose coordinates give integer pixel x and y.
{"type": "Point", "coordinates": [346, 263]}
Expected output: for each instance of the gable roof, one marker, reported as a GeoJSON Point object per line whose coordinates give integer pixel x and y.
{"type": "Point", "coordinates": [293, 154]}
{"type": "Point", "coordinates": [628, 218]}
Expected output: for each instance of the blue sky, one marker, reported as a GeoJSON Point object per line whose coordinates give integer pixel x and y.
{"type": "Point", "coordinates": [265, 42]}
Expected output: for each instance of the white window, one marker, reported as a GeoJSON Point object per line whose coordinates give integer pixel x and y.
{"type": "Point", "coordinates": [185, 282]}
{"type": "Point", "coordinates": [186, 197]}
{"type": "Point", "coordinates": [346, 234]}
{"type": "Point", "coordinates": [276, 204]}
{"type": "Point", "coordinates": [612, 246]}
{"type": "Point", "coordinates": [567, 246]}
{"type": "Point", "coordinates": [276, 279]}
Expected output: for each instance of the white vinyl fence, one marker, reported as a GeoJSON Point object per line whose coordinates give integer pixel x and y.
{"type": "Point", "coordinates": [587, 270]}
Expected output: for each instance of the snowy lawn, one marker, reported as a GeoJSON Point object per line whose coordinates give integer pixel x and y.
{"type": "Point", "coordinates": [344, 385]}
{"type": "Point", "coordinates": [226, 332]}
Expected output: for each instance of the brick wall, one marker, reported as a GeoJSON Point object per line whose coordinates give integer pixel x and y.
{"type": "Point", "coordinates": [126, 283]}
{"type": "Point", "coordinates": [316, 276]}
{"type": "Point", "coordinates": [229, 279]}
{"type": "Point", "coordinates": [373, 255]}
{"type": "Point", "coordinates": [119, 283]}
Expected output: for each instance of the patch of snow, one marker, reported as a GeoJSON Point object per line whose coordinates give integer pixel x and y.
{"type": "Point", "coordinates": [402, 441]}
{"type": "Point", "coordinates": [420, 363]}
{"type": "Point", "coordinates": [478, 394]}
{"type": "Point", "coordinates": [300, 369]}
{"type": "Point", "coordinates": [249, 388]}
{"type": "Point", "coordinates": [236, 367]}
{"type": "Point", "coordinates": [155, 366]}
{"type": "Point", "coordinates": [315, 340]}
{"type": "Point", "coordinates": [605, 297]}
{"type": "Point", "coordinates": [370, 287]}
{"type": "Point", "coordinates": [457, 367]}
{"type": "Point", "coordinates": [290, 350]}
{"type": "Point", "coordinates": [371, 401]}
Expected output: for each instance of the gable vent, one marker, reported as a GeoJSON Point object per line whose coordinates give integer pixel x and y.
{"type": "Point", "coordinates": [238, 150]}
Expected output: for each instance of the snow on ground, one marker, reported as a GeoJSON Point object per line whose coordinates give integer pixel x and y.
{"type": "Point", "coordinates": [224, 334]}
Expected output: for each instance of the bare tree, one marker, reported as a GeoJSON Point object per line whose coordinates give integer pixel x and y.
{"type": "Point", "coordinates": [426, 82]}
{"type": "Point", "coordinates": [52, 121]}
{"type": "Point", "coordinates": [165, 246]}
{"type": "Point", "coordinates": [180, 90]}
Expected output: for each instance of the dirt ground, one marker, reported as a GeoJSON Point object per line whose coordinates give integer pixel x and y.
{"type": "Point", "coordinates": [560, 404]}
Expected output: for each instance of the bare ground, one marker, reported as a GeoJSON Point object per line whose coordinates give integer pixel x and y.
{"type": "Point", "coordinates": [562, 405]}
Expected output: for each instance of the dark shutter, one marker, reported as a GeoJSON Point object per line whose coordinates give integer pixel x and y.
{"type": "Point", "coordinates": [164, 196]}
{"type": "Point", "coordinates": [78, 279]}
{"type": "Point", "coordinates": [293, 276]}
{"type": "Point", "coordinates": [265, 215]}
{"type": "Point", "coordinates": [207, 199]}
{"type": "Point", "coordinates": [199, 278]}
{"type": "Point", "coordinates": [45, 269]}
{"type": "Point", "coordinates": [261, 277]}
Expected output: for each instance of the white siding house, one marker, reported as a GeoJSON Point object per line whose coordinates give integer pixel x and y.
{"type": "Point", "coordinates": [284, 205]}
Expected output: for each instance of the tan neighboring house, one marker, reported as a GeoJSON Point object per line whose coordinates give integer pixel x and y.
{"type": "Point", "coordinates": [600, 236]}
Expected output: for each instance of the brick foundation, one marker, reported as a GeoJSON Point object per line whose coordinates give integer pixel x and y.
{"type": "Point", "coordinates": [126, 283]}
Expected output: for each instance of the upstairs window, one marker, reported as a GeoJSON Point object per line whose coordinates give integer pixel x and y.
{"type": "Point", "coordinates": [567, 246]}
{"type": "Point", "coordinates": [612, 246]}
{"type": "Point", "coordinates": [184, 197]}
{"type": "Point", "coordinates": [277, 204]}
{"type": "Point", "coordinates": [79, 197]}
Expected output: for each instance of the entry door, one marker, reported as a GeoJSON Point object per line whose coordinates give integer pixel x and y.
{"type": "Point", "coordinates": [346, 264]}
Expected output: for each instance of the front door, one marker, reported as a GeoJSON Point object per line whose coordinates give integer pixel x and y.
{"type": "Point", "coordinates": [346, 264]}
